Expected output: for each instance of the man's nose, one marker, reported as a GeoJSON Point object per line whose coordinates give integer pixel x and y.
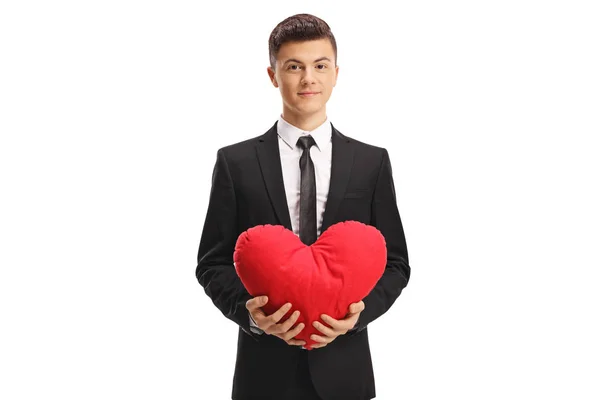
{"type": "Point", "coordinates": [308, 77]}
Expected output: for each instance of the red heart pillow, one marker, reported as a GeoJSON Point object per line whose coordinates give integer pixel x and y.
{"type": "Point", "coordinates": [339, 269]}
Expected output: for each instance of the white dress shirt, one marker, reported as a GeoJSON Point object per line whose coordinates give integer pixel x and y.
{"type": "Point", "coordinates": [290, 153]}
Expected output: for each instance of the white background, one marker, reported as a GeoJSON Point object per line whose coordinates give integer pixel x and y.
{"type": "Point", "coordinates": [111, 114]}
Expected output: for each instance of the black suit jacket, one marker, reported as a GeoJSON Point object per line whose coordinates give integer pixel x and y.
{"type": "Point", "coordinates": [248, 190]}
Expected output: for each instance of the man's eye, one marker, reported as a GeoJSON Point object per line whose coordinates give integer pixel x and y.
{"type": "Point", "coordinates": [293, 66]}
{"type": "Point", "coordinates": [322, 65]}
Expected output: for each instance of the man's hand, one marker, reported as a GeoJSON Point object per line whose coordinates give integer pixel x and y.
{"type": "Point", "coordinates": [270, 323]}
{"type": "Point", "coordinates": [338, 327]}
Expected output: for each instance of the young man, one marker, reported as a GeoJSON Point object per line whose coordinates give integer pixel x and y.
{"type": "Point", "coordinates": [305, 175]}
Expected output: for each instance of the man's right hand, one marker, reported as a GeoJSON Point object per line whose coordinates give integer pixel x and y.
{"type": "Point", "coordinates": [270, 323]}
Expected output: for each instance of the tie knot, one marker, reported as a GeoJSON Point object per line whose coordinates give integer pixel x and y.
{"type": "Point", "coordinates": [305, 142]}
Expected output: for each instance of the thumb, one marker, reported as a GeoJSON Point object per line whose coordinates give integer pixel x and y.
{"type": "Point", "coordinates": [356, 307]}
{"type": "Point", "coordinates": [256, 302]}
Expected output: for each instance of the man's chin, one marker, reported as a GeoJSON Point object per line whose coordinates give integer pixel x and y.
{"type": "Point", "coordinates": [310, 110]}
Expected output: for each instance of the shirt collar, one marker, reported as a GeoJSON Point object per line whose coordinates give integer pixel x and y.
{"type": "Point", "coordinates": [290, 133]}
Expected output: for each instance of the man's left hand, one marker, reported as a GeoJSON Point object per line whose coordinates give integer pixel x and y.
{"type": "Point", "coordinates": [338, 327]}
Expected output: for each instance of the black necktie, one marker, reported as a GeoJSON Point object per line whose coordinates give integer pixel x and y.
{"type": "Point", "coordinates": [308, 193]}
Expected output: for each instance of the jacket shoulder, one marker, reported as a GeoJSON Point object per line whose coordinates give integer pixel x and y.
{"type": "Point", "coordinates": [363, 147]}
{"type": "Point", "coordinates": [243, 148]}
{"type": "Point", "coordinates": [238, 147]}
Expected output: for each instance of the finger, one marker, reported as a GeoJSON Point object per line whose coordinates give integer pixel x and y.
{"type": "Point", "coordinates": [277, 315]}
{"type": "Point", "coordinates": [285, 326]}
{"type": "Point", "coordinates": [269, 323]}
{"type": "Point", "coordinates": [318, 346]}
{"type": "Point", "coordinates": [324, 329]}
{"type": "Point", "coordinates": [321, 339]}
{"type": "Point", "coordinates": [291, 334]}
{"type": "Point", "coordinates": [256, 302]}
{"type": "Point", "coordinates": [290, 322]}
{"type": "Point", "coordinates": [296, 342]}
{"type": "Point", "coordinates": [334, 323]}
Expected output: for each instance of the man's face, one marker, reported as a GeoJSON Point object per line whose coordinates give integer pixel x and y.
{"type": "Point", "coordinates": [302, 67]}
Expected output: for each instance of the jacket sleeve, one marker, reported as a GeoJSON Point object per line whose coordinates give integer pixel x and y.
{"type": "Point", "coordinates": [215, 270]}
{"type": "Point", "coordinates": [386, 218]}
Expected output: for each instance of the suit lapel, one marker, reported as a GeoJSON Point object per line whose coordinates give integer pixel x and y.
{"type": "Point", "coordinates": [267, 150]}
{"type": "Point", "coordinates": [341, 164]}
{"type": "Point", "coordinates": [342, 156]}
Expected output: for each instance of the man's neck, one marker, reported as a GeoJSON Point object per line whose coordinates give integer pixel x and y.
{"type": "Point", "coordinates": [305, 122]}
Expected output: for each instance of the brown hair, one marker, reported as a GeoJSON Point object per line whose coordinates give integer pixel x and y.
{"type": "Point", "coordinates": [298, 28]}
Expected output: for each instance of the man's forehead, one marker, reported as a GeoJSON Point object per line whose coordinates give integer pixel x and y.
{"type": "Point", "coordinates": [306, 51]}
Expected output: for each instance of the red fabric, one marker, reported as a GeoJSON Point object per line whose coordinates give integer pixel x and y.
{"type": "Point", "coordinates": [339, 269]}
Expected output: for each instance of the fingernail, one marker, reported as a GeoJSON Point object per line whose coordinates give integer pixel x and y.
{"type": "Point", "coordinates": [296, 313]}
{"type": "Point", "coordinates": [264, 299]}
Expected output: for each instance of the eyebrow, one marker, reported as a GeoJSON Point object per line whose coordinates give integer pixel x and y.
{"type": "Point", "coordinates": [300, 62]}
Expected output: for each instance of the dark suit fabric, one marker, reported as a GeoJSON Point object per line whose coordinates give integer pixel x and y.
{"type": "Point", "coordinates": [248, 190]}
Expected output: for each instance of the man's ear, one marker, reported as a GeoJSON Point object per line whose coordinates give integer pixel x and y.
{"type": "Point", "coordinates": [271, 73]}
{"type": "Point", "coordinates": [337, 70]}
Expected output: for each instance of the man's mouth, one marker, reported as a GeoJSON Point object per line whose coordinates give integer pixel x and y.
{"type": "Point", "coordinates": [308, 94]}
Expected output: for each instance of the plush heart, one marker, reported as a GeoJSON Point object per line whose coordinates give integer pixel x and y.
{"type": "Point", "coordinates": [339, 269]}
